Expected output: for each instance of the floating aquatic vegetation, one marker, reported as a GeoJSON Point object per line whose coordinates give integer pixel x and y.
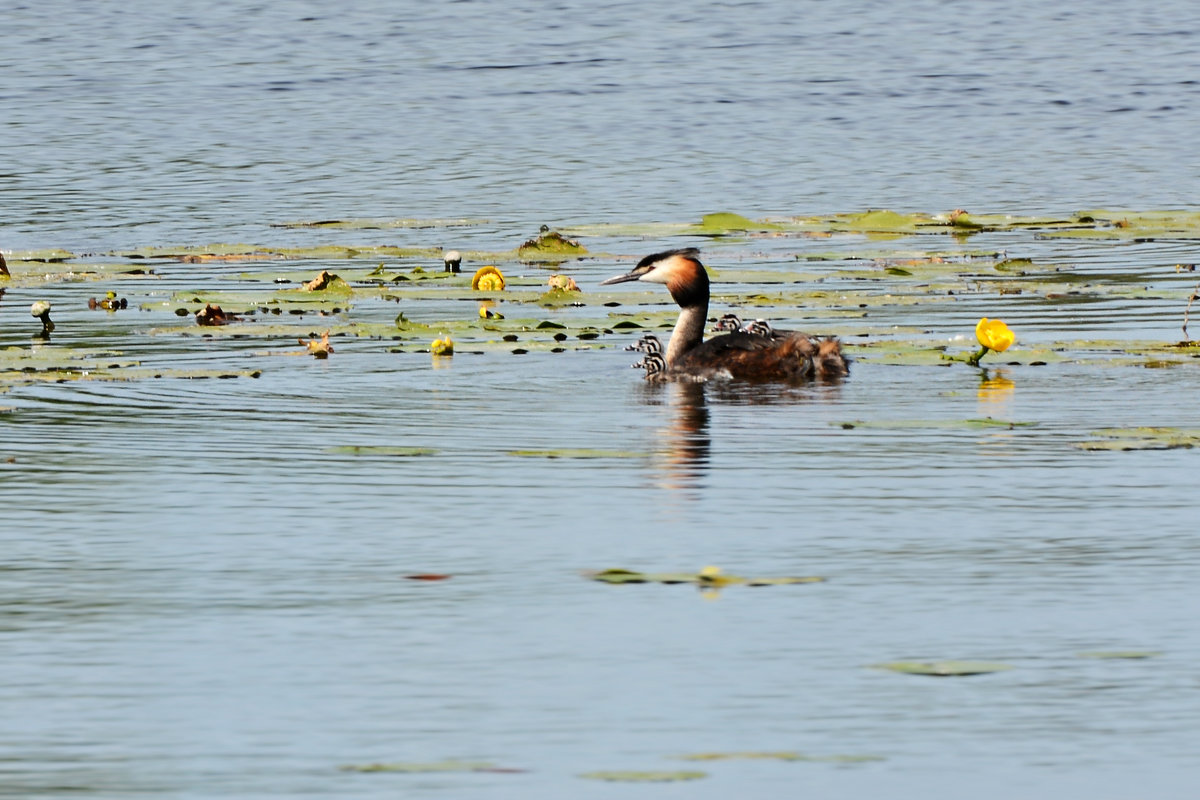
{"type": "Point", "coordinates": [723, 222]}
{"type": "Point", "coordinates": [443, 346]}
{"type": "Point", "coordinates": [551, 247]}
{"type": "Point", "coordinates": [1144, 438]}
{"type": "Point", "coordinates": [783, 755]}
{"type": "Point", "coordinates": [428, 576]}
{"type": "Point", "coordinates": [45, 256]}
{"type": "Point", "coordinates": [708, 576]}
{"type": "Point", "coordinates": [944, 669]}
{"type": "Point", "coordinates": [4, 267]}
{"type": "Point", "coordinates": [59, 364]}
{"type": "Point", "coordinates": [644, 776]}
{"type": "Point", "coordinates": [1121, 654]}
{"type": "Point", "coordinates": [488, 279]}
{"type": "Point", "coordinates": [1136, 225]}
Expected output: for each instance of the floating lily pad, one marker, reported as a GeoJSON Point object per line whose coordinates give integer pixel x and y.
{"type": "Point", "coordinates": [725, 222]}
{"type": "Point", "coordinates": [46, 256]}
{"type": "Point", "coordinates": [550, 246]}
{"type": "Point", "coordinates": [1121, 654]}
{"type": "Point", "coordinates": [648, 776]}
{"type": "Point", "coordinates": [1102, 224]}
{"type": "Point", "coordinates": [944, 669]}
{"type": "Point", "coordinates": [1148, 438]}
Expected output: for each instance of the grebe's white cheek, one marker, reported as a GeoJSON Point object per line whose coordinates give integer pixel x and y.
{"type": "Point", "coordinates": [656, 275]}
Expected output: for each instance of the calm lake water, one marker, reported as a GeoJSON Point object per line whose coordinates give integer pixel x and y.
{"type": "Point", "coordinates": [203, 587]}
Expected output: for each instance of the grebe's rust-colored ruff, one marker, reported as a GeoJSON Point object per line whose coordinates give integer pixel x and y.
{"type": "Point", "coordinates": [773, 355]}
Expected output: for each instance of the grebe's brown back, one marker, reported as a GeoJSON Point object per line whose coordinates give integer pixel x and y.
{"type": "Point", "coordinates": [776, 355]}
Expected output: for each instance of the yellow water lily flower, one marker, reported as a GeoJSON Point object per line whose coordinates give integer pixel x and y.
{"type": "Point", "coordinates": [994, 335]}
{"type": "Point", "coordinates": [713, 577]}
{"type": "Point", "coordinates": [442, 347]}
{"type": "Point", "coordinates": [488, 279]}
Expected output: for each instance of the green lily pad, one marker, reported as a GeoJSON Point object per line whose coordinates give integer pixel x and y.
{"type": "Point", "coordinates": [550, 246]}
{"type": "Point", "coordinates": [646, 776]}
{"type": "Point", "coordinates": [944, 669]}
{"type": "Point", "coordinates": [1147, 225]}
{"type": "Point", "coordinates": [45, 256]}
{"type": "Point", "coordinates": [1147, 438]}
{"type": "Point", "coordinates": [724, 222]}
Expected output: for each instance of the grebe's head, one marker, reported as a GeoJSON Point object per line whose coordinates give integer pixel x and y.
{"type": "Point", "coordinates": [653, 363]}
{"type": "Point", "coordinates": [680, 270]}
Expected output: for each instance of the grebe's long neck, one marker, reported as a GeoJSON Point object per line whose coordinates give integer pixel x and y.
{"type": "Point", "coordinates": [688, 285]}
{"type": "Point", "coordinates": [689, 331]}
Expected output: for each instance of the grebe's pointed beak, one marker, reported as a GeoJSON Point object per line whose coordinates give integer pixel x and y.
{"type": "Point", "coordinates": [632, 276]}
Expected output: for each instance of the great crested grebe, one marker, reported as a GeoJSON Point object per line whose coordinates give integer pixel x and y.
{"type": "Point", "coordinates": [762, 355]}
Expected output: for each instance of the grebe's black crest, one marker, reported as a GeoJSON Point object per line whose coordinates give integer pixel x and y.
{"type": "Point", "coordinates": [755, 352]}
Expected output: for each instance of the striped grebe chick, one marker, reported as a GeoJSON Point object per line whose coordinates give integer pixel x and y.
{"type": "Point", "coordinates": [775, 355]}
{"type": "Point", "coordinates": [657, 371]}
{"type": "Point", "coordinates": [649, 343]}
{"type": "Point", "coordinates": [732, 322]}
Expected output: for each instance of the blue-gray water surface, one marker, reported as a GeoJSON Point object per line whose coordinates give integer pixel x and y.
{"type": "Point", "coordinates": [203, 589]}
